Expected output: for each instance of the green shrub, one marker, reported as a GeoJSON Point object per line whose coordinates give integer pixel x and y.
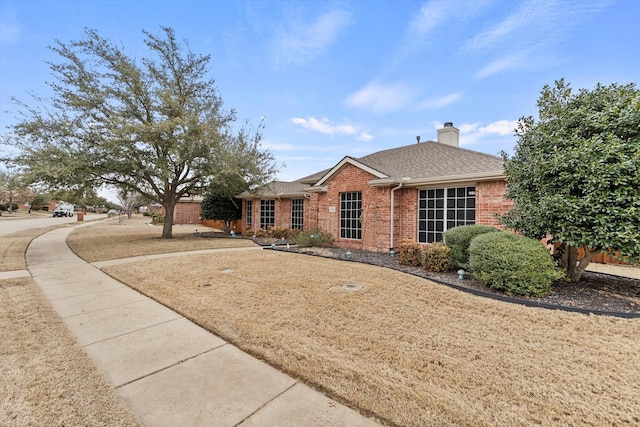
{"type": "Point", "coordinates": [14, 207]}
{"type": "Point", "coordinates": [458, 240]}
{"type": "Point", "coordinates": [515, 264]}
{"type": "Point", "coordinates": [410, 253]}
{"type": "Point", "coordinates": [312, 238]}
{"type": "Point", "coordinates": [157, 218]}
{"type": "Point", "coordinates": [437, 257]}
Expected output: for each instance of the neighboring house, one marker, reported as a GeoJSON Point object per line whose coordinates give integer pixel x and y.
{"type": "Point", "coordinates": [187, 210]}
{"type": "Point", "coordinates": [373, 202]}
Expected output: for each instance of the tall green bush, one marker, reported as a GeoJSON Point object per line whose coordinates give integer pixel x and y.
{"type": "Point", "coordinates": [459, 239]}
{"type": "Point", "coordinates": [515, 264]}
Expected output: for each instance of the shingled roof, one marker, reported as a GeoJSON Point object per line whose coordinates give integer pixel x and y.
{"type": "Point", "coordinates": [425, 162]}
{"type": "Point", "coordinates": [417, 164]}
{"type": "Point", "coordinates": [431, 159]}
{"type": "Point", "coordinates": [277, 189]}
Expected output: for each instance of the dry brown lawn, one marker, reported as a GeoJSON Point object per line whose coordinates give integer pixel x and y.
{"type": "Point", "coordinates": [46, 379]}
{"type": "Point", "coordinates": [401, 348]}
{"type": "Point", "coordinates": [129, 238]}
{"type": "Point", "coordinates": [13, 247]}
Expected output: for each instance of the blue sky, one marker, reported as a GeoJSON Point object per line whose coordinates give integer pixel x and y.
{"type": "Point", "coordinates": [336, 78]}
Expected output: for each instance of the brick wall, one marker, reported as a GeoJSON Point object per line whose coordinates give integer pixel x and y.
{"type": "Point", "coordinates": [490, 201]}
{"type": "Point", "coordinates": [376, 209]}
{"type": "Point", "coordinates": [406, 215]}
{"type": "Point", "coordinates": [282, 214]}
{"type": "Point", "coordinates": [322, 210]}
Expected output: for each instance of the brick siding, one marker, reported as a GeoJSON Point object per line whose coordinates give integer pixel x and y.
{"type": "Point", "coordinates": [490, 202]}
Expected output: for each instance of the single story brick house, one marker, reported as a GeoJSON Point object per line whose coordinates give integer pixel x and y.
{"type": "Point", "coordinates": [373, 202]}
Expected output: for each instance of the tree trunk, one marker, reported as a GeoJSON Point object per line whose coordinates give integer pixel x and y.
{"type": "Point", "coordinates": [569, 261]}
{"type": "Point", "coordinates": [167, 228]}
{"type": "Point", "coordinates": [584, 262]}
{"type": "Point", "coordinates": [572, 268]}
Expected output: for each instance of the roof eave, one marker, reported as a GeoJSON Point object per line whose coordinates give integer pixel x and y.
{"type": "Point", "coordinates": [318, 189]}
{"type": "Point", "coordinates": [453, 179]}
{"type": "Point", "coordinates": [273, 195]}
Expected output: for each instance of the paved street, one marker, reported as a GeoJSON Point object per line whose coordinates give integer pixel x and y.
{"type": "Point", "coordinates": [10, 225]}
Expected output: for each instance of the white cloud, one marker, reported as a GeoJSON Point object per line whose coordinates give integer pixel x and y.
{"type": "Point", "coordinates": [476, 134]}
{"type": "Point", "coordinates": [468, 127]}
{"type": "Point", "coordinates": [302, 42]}
{"type": "Point", "coordinates": [381, 99]}
{"type": "Point", "coordinates": [439, 102]}
{"type": "Point", "coordinates": [527, 14]}
{"type": "Point", "coordinates": [506, 63]}
{"type": "Point", "coordinates": [532, 28]}
{"type": "Point", "coordinates": [324, 126]}
{"type": "Point", "coordinates": [501, 127]}
{"type": "Point", "coordinates": [9, 27]}
{"type": "Point", "coordinates": [278, 146]}
{"type": "Point", "coordinates": [419, 31]}
{"type": "Point", "coordinates": [9, 33]}
{"type": "Point", "coordinates": [365, 137]}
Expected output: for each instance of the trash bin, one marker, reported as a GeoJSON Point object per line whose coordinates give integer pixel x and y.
{"type": "Point", "coordinates": [80, 216]}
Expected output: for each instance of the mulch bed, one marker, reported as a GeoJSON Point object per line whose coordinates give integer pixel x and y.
{"type": "Point", "coordinates": [596, 293]}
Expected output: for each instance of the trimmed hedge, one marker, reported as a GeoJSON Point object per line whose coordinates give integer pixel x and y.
{"type": "Point", "coordinates": [459, 239]}
{"type": "Point", "coordinates": [410, 253]}
{"type": "Point", "coordinates": [434, 256]}
{"type": "Point", "coordinates": [437, 257]}
{"type": "Point", "coordinates": [515, 264]}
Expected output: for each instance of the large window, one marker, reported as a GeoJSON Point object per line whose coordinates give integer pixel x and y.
{"type": "Point", "coordinates": [297, 214]}
{"type": "Point", "coordinates": [267, 213]}
{"type": "Point", "coordinates": [440, 209]}
{"type": "Point", "coordinates": [350, 212]}
{"type": "Point", "coordinates": [249, 206]}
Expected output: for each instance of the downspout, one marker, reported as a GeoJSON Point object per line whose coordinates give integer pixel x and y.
{"type": "Point", "coordinates": [393, 206]}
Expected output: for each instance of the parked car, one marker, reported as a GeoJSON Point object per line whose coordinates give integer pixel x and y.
{"type": "Point", "coordinates": [63, 209]}
{"type": "Point", "coordinates": [112, 212]}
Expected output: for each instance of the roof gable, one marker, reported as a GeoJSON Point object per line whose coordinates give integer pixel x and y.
{"type": "Point", "coordinates": [349, 160]}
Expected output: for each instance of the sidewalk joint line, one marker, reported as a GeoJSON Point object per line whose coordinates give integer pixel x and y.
{"type": "Point", "coordinates": [133, 332]}
{"type": "Point", "coordinates": [115, 306]}
{"type": "Point", "coordinates": [177, 362]}
{"type": "Point", "coordinates": [265, 404]}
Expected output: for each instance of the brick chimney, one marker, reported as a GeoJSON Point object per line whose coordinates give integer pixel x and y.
{"type": "Point", "coordinates": [449, 135]}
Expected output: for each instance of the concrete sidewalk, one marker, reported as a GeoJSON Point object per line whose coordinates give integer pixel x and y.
{"type": "Point", "coordinates": [167, 369]}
